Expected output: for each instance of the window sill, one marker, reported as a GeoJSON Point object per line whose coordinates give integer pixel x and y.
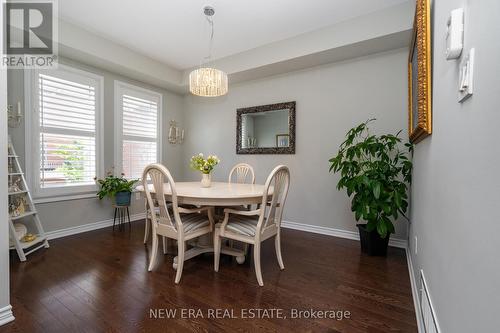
{"type": "Point", "coordinates": [41, 200]}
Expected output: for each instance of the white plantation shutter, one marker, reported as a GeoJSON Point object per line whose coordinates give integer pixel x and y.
{"type": "Point", "coordinates": [68, 108]}
{"type": "Point", "coordinates": [139, 113]}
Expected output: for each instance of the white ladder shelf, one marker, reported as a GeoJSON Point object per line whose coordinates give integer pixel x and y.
{"type": "Point", "coordinates": [23, 248]}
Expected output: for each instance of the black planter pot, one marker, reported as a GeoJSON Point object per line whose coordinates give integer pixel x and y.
{"type": "Point", "coordinates": [371, 242]}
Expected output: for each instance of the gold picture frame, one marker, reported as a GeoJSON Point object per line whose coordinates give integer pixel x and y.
{"type": "Point", "coordinates": [420, 75]}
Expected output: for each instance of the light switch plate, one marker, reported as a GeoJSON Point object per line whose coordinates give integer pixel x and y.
{"type": "Point", "coordinates": [455, 34]}
{"type": "Point", "coordinates": [466, 77]}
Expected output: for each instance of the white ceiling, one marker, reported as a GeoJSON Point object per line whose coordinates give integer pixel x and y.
{"type": "Point", "coordinates": [175, 32]}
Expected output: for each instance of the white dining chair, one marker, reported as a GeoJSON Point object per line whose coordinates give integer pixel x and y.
{"type": "Point", "coordinates": [149, 221]}
{"type": "Point", "coordinates": [242, 171]}
{"type": "Point", "coordinates": [185, 224]}
{"type": "Point", "coordinates": [243, 174]}
{"type": "Point", "coordinates": [254, 227]}
{"type": "Point", "coordinates": [148, 217]}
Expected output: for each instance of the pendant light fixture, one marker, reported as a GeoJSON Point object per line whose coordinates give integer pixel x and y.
{"type": "Point", "coordinates": [206, 81]}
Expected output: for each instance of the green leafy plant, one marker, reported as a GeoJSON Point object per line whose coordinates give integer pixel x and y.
{"type": "Point", "coordinates": [73, 154]}
{"type": "Point", "coordinates": [199, 163]}
{"type": "Point", "coordinates": [376, 173]}
{"type": "Point", "coordinates": [112, 185]}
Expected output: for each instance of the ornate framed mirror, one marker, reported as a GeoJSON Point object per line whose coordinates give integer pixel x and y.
{"type": "Point", "coordinates": [266, 129]}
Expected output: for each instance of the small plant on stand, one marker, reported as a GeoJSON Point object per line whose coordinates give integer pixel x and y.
{"type": "Point", "coordinates": [117, 188]}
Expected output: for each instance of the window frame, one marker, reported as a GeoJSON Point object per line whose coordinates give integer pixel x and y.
{"type": "Point", "coordinates": [119, 88]}
{"type": "Point", "coordinates": [32, 135]}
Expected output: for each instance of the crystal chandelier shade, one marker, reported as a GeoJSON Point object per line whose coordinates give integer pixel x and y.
{"type": "Point", "coordinates": [207, 81]}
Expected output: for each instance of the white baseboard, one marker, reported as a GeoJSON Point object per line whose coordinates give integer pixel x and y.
{"type": "Point", "coordinates": [415, 292]}
{"type": "Point", "coordinates": [88, 227]}
{"type": "Point", "coordinates": [396, 242]}
{"type": "Point", "coordinates": [400, 243]}
{"type": "Point", "coordinates": [6, 315]}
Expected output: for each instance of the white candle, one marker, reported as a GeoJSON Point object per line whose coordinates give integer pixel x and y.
{"type": "Point", "coordinates": [170, 132]}
{"type": "Point", "coordinates": [177, 132]}
{"type": "Point", "coordinates": [18, 108]}
{"type": "Point", "coordinates": [182, 135]}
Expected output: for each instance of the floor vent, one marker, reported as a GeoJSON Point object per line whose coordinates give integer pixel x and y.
{"type": "Point", "coordinates": [426, 308]}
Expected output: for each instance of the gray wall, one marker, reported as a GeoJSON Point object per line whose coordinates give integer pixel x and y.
{"type": "Point", "coordinates": [65, 214]}
{"type": "Point", "coordinates": [456, 189]}
{"type": "Point", "coordinates": [330, 100]}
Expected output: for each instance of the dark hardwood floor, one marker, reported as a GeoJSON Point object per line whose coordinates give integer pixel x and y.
{"type": "Point", "coordinates": [98, 282]}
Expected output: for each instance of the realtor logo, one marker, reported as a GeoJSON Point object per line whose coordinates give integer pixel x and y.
{"type": "Point", "coordinates": [30, 34]}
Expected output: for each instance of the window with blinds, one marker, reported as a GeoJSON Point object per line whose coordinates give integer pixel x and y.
{"type": "Point", "coordinates": [67, 128]}
{"type": "Point", "coordinates": [139, 113]}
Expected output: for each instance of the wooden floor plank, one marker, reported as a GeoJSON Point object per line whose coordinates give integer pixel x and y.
{"type": "Point", "coordinates": [98, 282]}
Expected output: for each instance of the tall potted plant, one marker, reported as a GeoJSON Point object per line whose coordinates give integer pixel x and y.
{"type": "Point", "coordinates": [376, 174]}
{"type": "Point", "coordinates": [118, 188]}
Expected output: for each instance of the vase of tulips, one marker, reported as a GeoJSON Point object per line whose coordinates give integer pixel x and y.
{"type": "Point", "coordinates": [205, 166]}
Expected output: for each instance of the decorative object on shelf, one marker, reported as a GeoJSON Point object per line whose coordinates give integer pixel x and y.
{"type": "Point", "coordinates": [420, 75]}
{"type": "Point", "coordinates": [10, 166]}
{"type": "Point", "coordinates": [175, 134]}
{"type": "Point", "coordinates": [13, 212]}
{"type": "Point", "coordinates": [14, 184]}
{"type": "Point", "coordinates": [117, 188]}
{"type": "Point", "coordinates": [377, 173]}
{"type": "Point", "coordinates": [28, 238]}
{"type": "Point", "coordinates": [206, 81]}
{"type": "Point", "coordinates": [14, 116]}
{"type": "Point", "coordinates": [21, 207]}
{"type": "Point", "coordinates": [20, 230]}
{"type": "Point", "coordinates": [205, 166]}
{"type": "Point", "coordinates": [17, 205]}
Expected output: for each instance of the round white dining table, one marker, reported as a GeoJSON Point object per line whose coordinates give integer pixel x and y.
{"type": "Point", "coordinates": [218, 194]}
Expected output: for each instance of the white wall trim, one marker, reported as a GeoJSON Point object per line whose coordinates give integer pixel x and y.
{"type": "Point", "coordinates": [65, 198]}
{"type": "Point", "coordinates": [400, 243]}
{"type": "Point", "coordinates": [88, 227]}
{"type": "Point", "coordinates": [6, 315]}
{"type": "Point", "coordinates": [414, 291]}
{"type": "Point", "coordinates": [396, 242]}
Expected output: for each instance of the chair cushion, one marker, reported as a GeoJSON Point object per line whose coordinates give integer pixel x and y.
{"type": "Point", "coordinates": [157, 212]}
{"type": "Point", "coordinates": [194, 221]}
{"type": "Point", "coordinates": [244, 225]}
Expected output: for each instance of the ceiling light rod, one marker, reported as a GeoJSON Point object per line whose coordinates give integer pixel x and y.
{"type": "Point", "coordinates": [209, 12]}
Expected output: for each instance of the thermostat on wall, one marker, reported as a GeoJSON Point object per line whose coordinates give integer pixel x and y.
{"type": "Point", "coordinates": [455, 34]}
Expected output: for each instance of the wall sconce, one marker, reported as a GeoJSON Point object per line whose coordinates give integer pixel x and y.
{"type": "Point", "coordinates": [14, 116]}
{"type": "Point", "coordinates": [175, 134]}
